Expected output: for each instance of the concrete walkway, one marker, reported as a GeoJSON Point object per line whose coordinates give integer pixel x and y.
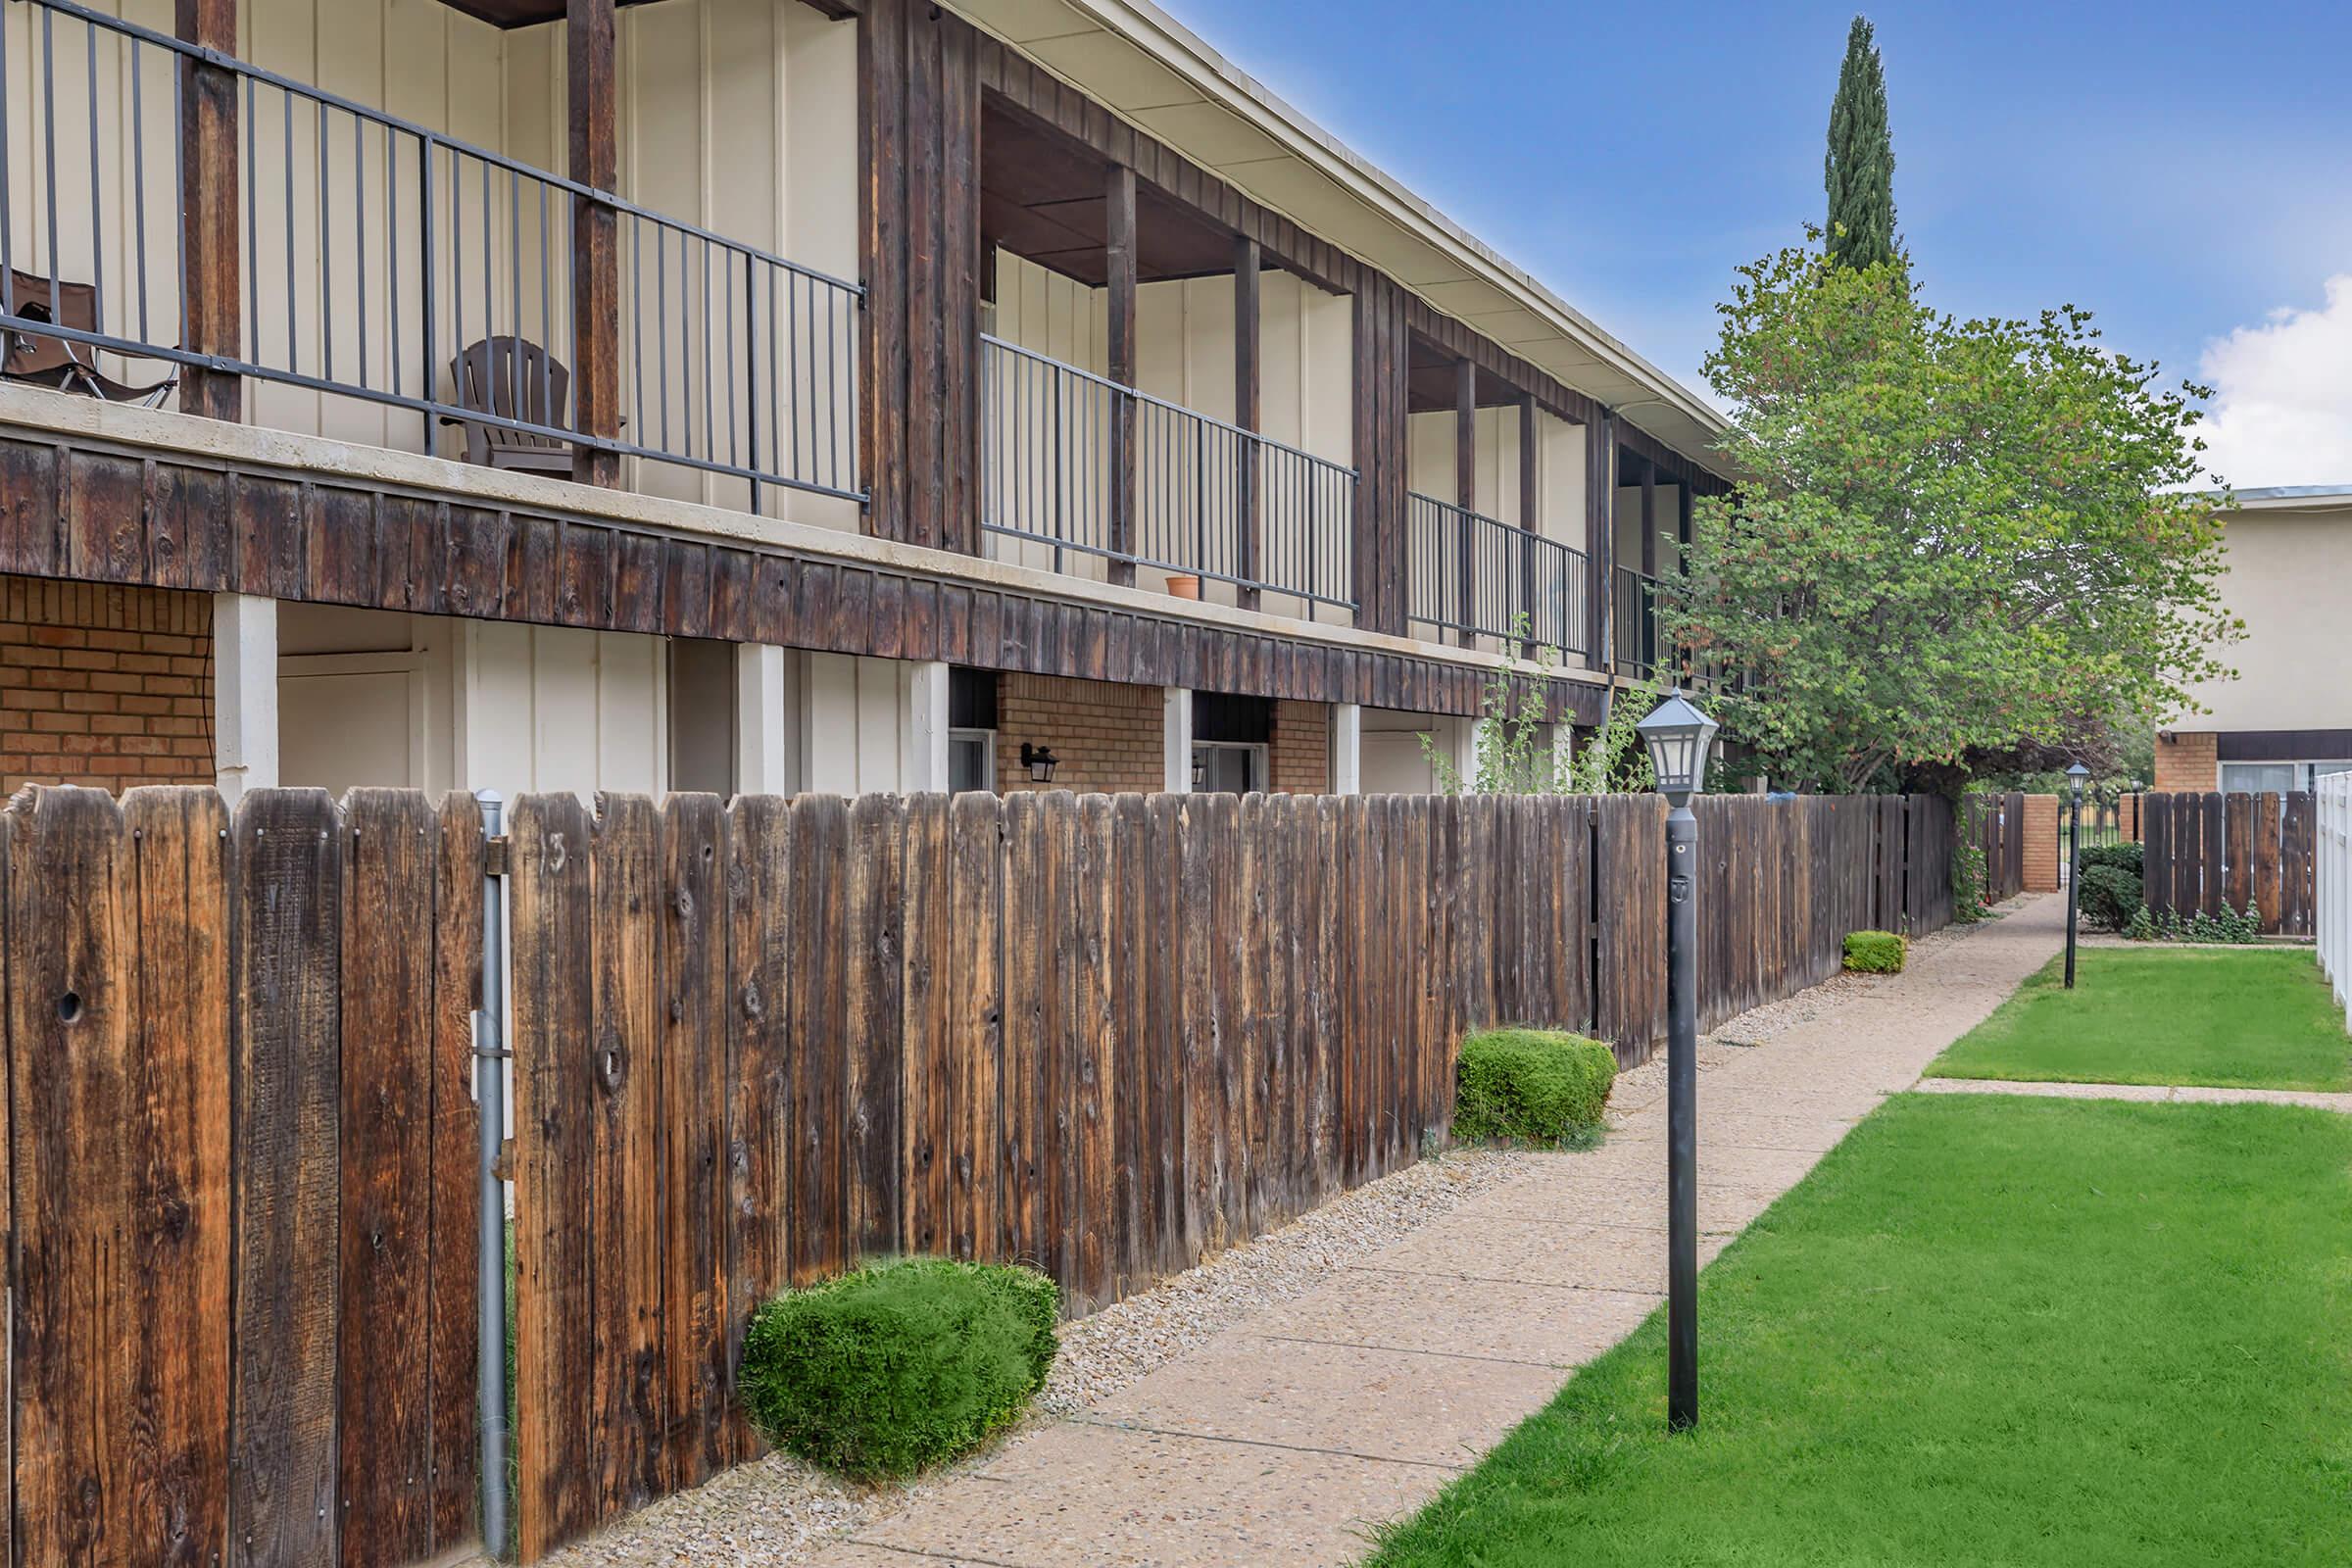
{"type": "Point", "coordinates": [2173, 1094]}
{"type": "Point", "coordinates": [1284, 1441]}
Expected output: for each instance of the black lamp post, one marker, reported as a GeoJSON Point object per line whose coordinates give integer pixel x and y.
{"type": "Point", "coordinates": [2074, 776]}
{"type": "Point", "coordinates": [1678, 737]}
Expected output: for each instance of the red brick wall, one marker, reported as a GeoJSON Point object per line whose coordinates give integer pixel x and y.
{"type": "Point", "coordinates": [1300, 758]}
{"type": "Point", "coordinates": [2189, 762]}
{"type": "Point", "coordinates": [1106, 735]}
{"type": "Point", "coordinates": [2041, 844]}
{"type": "Point", "coordinates": [104, 685]}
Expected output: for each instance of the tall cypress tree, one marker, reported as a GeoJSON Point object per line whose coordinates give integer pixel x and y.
{"type": "Point", "coordinates": [1859, 168]}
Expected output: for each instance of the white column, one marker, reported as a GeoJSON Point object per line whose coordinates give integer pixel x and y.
{"type": "Point", "coordinates": [764, 721]}
{"type": "Point", "coordinates": [245, 692]}
{"type": "Point", "coordinates": [924, 748]}
{"type": "Point", "coordinates": [1464, 734]}
{"type": "Point", "coordinates": [1563, 748]}
{"type": "Point", "coordinates": [1176, 739]}
{"type": "Point", "coordinates": [1346, 749]}
{"type": "Point", "coordinates": [831, 735]}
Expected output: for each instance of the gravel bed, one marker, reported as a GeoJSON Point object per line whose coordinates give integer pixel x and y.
{"type": "Point", "coordinates": [770, 1510]}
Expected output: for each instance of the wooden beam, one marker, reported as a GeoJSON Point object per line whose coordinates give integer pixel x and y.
{"type": "Point", "coordinates": [1650, 516]}
{"type": "Point", "coordinates": [1246, 409]}
{"type": "Point", "coordinates": [593, 106]}
{"type": "Point", "coordinates": [211, 320]}
{"type": "Point", "coordinates": [1530, 518]}
{"type": "Point", "coordinates": [1600, 520]}
{"type": "Point", "coordinates": [1465, 490]}
{"type": "Point", "coordinates": [1118, 223]}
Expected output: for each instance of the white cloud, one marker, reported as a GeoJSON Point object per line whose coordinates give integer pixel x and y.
{"type": "Point", "coordinates": [2281, 410]}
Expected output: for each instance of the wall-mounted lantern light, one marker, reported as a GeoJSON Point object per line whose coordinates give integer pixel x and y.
{"type": "Point", "coordinates": [1040, 760]}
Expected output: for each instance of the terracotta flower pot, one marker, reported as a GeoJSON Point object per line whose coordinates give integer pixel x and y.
{"type": "Point", "coordinates": [1184, 586]}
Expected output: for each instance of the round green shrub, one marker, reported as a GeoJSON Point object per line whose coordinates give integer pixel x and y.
{"type": "Point", "coordinates": [1536, 1086]}
{"type": "Point", "coordinates": [1875, 951]}
{"type": "Point", "coordinates": [2108, 895]}
{"type": "Point", "coordinates": [900, 1365]}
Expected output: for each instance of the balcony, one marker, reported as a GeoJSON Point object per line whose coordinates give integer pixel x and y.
{"type": "Point", "coordinates": [1636, 621]}
{"type": "Point", "coordinates": [1076, 468]}
{"type": "Point", "coordinates": [393, 282]}
{"type": "Point", "coordinates": [1472, 577]}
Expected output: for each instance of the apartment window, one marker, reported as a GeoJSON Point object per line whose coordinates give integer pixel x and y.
{"type": "Point", "coordinates": [1228, 768]}
{"type": "Point", "coordinates": [971, 729]}
{"type": "Point", "coordinates": [1230, 739]}
{"type": "Point", "coordinates": [2265, 778]}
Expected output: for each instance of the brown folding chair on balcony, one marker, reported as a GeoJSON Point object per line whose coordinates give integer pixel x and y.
{"type": "Point", "coordinates": [499, 376]}
{"type": "Point", "coordinates": [40, 360]}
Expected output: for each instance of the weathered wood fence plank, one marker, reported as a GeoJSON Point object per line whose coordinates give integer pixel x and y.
{"type": "Point", "coordinates": [2201, 851]}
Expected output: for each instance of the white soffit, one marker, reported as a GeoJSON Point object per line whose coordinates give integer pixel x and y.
{"type": "Point", "coordinates": [1148, 67]}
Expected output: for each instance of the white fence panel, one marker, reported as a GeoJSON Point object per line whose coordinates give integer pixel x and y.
{"type": "Point", "coordinates": [2334, 919]}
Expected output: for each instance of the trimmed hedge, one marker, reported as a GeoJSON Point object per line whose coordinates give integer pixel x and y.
{"type": "Point", "coordinates": [1875, 951]}
{"type": "Point", "coordinates": [1536, 1086]}
{"type": "Point", "coordinates": [2111, 887]}
{"type": "Point", "coordinates": [899, 1366]}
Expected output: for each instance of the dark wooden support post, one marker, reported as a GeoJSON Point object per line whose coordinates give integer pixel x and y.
{"type": "Point", "coordinates": [1248, 409]}
{"type": "Point", "coordinates": [211, 321]}
{"type": "Point", "coordinates": [1649, 562]}
{"type": "Point", "coordinates": [1465, 490]}
{"type": "Point", "coordinates": [1530, 519]}
{"type": "Point", "coordinates": [1600, 521]}
{"type": "Point", "coordinates": [595, 244]}
{"type": "Point", "coordinates": [1118, 223]}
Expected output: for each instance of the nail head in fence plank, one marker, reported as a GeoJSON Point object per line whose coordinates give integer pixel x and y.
{"type": "Point", "coordinates": [628, 1398]}
{"type": "Point", "coordinates": [285, 1131]}
{"type": "Point", "coordinates": [385, 1367]}
{"type": "Point", "coordinates": [551, 847]}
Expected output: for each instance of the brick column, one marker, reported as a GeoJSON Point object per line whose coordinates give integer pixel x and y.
{"type": "Point", "coordinates": [2044, 853]}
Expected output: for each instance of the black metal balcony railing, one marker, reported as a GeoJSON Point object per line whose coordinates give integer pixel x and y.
{"type": "Point", "coordinates": [1212, 500]}
{"type": "Point", "coordinates": [1470, 575]}
{"type": "Point", "coordinates": [377, 252]}
{"type": "Point", "coordinates": [1636, 620]}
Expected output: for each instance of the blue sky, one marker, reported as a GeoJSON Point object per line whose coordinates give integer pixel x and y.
{"type": "Point", "coordinates": [2183, 170]}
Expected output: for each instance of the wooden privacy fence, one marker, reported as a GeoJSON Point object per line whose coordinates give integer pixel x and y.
{"type": "Point", "coordinates": [1996, 825]}
{"type": "Point", "coordinates": [2203, 850]}
{"type": "Point", "coordinates": [752, 1043]}
{"type": "Point", "coordinates": [241, 1176]}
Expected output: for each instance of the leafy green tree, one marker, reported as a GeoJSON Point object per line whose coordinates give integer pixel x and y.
{"type": "Point", "coordinates": [1949, 537]}
{"type": "Point", "coordinates": [1859, 169]}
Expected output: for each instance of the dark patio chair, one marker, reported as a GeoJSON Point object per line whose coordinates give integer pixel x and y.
{"type": "Point", "coordinates": [40, 360]}
{"type": "Point", "coordinates": [513, 378]}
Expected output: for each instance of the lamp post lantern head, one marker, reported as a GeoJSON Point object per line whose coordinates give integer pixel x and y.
{"type": "Point", "coordinates": [2074, 776]}
{"type": "Point", "coordinates": [1678, 737]}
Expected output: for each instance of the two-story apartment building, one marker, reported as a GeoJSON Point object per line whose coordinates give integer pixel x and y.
{"type": "Point", "coordinates": [760, 395]}
{"type": "Point", "coordinates": [2280, 723]}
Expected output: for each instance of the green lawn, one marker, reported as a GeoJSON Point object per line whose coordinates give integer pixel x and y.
{"type": "Point", "coordinates": [2258, 1018]}
{"type": "Point", "coordinates": [1984, 1331]}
